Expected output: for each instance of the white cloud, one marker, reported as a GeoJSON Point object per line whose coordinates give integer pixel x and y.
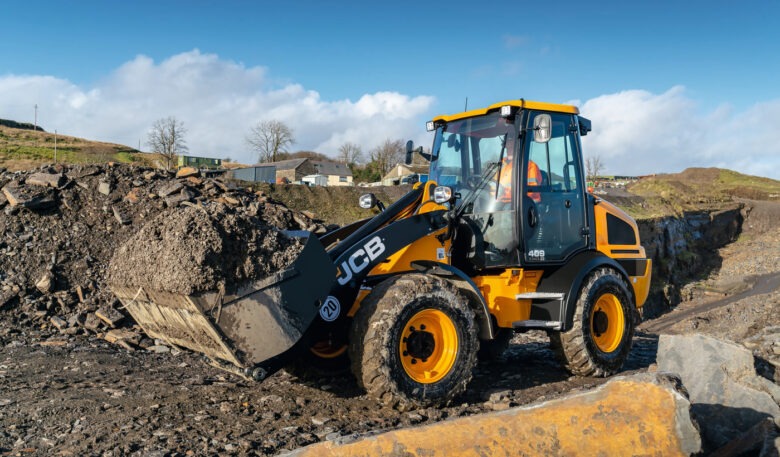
{"type": "Point", "coordinates": [217, 100]}
{"type": "Point", "coordinates": [638, 132]}
{"type": "Point", "coordinates": [634, 131]}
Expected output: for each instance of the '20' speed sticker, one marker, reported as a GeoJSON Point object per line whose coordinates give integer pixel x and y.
{"type": "Point", "coordinates": [330, 310]}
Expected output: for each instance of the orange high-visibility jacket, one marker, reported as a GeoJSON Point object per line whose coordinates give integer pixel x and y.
{"type": "Point", "coordinates": [505, 181]}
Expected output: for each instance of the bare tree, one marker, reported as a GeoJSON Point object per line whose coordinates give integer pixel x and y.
{"type": "Point", "coordinates": [270, 139]}
{"type": "Point", "coordinates": [167, 138]}
{"type": "Point", "coordinates": [387, 154]}
{"type": "Point", "coordinates": [593, 167]}
{"type": "Point", "coordinates": [350, 153]}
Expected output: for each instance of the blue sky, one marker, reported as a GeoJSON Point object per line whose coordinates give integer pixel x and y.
{"type": "Point", "coordinates": [667, 84]}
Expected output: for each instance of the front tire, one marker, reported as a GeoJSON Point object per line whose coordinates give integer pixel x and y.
{"type": "Point", "coordinates": [603, 328]}
{"type": "Point", "coordinates": [414, 342]}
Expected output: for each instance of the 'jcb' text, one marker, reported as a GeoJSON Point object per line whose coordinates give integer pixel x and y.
{"type": "Point", "coordinates": [360, 259]}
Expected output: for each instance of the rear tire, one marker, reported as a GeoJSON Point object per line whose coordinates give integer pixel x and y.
{"type": "Point", "coordinates": [603, 327]}
{"type": "Point", "coordinates": [414, 342]}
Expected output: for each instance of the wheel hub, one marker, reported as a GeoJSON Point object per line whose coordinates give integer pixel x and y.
{"type": "Point", "coordinates": [600, 322]}
{"type": "Point", "coordinates": [420, 344]}
{"type": "Point", "coordinates": [607, 322]}
{"type": "Point", "coordinates": [428, 346]}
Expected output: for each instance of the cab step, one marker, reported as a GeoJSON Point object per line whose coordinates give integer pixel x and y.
{"type": "Point", "coordinates": [547, 311]}
{"type": "Point", "coordinates": [540, 296]}
{"type": "Point", "coordinates": [534, 323]}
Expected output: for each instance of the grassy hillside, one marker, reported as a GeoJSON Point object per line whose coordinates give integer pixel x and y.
{"type": "Point", "coordinates": [23, 149]}
{"type": "Point", "coordinates": [694, 189]}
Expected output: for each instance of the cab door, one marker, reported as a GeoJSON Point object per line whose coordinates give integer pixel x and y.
{"type": "Point", "coordinates": [553, 198]}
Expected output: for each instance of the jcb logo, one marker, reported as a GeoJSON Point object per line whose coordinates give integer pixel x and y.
{"type": "Point", "coordinates": [360, 259]}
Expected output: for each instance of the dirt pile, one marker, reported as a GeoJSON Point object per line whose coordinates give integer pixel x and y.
{"type": "Point", "coordinates": [201, 248]}
{"type": "Point", "coordinates": [60, 227]}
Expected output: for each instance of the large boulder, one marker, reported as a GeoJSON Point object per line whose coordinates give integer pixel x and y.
{"type": "Point", "coordinates": [646, 414]}
{"type": "Point", "coordinates": [727, 397]}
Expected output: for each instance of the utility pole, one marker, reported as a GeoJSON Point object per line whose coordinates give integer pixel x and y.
{"type": "Point", "coordinates": [35, 125]}
{"type": "Point", "coordinates": [55, 145]}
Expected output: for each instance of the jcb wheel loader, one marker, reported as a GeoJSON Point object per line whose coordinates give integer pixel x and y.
{"type": "Point", "coordinates": [502, 237]}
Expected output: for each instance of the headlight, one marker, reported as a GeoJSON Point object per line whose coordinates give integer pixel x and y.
{"type": "Point", "coordinates": [442, 194]}
{"type": "Point", "coordinates": [367, 201]}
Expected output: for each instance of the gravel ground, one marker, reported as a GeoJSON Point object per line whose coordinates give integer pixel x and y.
{"type": "Point", "coordinates": [76, 394]}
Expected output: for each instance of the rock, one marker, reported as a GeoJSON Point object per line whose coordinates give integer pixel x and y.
{"type": "Point", "coordinates": [171, 188]}
{"type": "Point", "coordinates": [231, 200]}
{"type": "Point", "coordinates": [46, 283]}
{"type": "Point", "coordinates": [80, 294]}
{"type": "Point", "coordinates": [120, 216]}
{"type": "Point", "coordinates": [26, 197]}
{"type": "Point", "coordinates": [159, 349]}
{"type": "Point", "coordinates": [651, 410]}
{"type": "Point", "coordinates": [132, 196]}
{"type": "Point", "coordinates": [186, 172]}
{"type": "Point", "coordinates": [6, 296]}
{"type": "Point", "coordinates": [174, 200]}
{"type": "Point", "coordinates": [320, 420]}
{"type": "Point", "coordinates": [92, 322]}
{"type": "Point", "coordinates": [46, 180]}
{"type": "Point", "coordinates": [105, 187]}
{"type": "Point", "coordinates": [59, 322]}
{"type": "Point", "coordinates": [727, 396]}
{"type": "Point", "coordinates": [109, 315]}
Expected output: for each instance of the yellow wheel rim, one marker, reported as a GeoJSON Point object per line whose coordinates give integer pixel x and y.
{"type": "Point", "coordinates": [607, 322]}
{"type": "Point", "coordinates": [325, 350]}
{"type": "Point", "coordinates": [429, 346]}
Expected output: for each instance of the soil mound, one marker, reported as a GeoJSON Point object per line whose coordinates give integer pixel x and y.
{"type": "Point", "coordinates": [193, 249]}
{"type": "Point", "coordinates": [60, 226]}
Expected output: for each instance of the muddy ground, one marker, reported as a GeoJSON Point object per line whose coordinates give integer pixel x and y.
{"type": "Point", "coordinates": [80, 395]}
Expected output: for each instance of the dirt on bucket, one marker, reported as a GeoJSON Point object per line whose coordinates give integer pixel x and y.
{"type": "Point", "coordinates": [192, 249]}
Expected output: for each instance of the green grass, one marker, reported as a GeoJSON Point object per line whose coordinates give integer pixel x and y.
{"type": "Point", "coordinates": [23, 149]}
{"type": "Point", "coordinates": [695, 189]}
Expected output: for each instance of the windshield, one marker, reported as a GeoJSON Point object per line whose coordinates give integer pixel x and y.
{"type": "Point", "coordinates": [463, 149]}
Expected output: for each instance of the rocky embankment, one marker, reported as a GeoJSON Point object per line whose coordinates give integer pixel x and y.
{"type": "Point", "coordinates": [60, 227]}
{"type": "Point", "coordinates": [684, 249]}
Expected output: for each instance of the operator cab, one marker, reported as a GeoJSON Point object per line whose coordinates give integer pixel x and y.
{"type": "Point", "coordinates": [516, 174]}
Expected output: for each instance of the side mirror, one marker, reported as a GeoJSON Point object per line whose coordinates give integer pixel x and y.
{"type": "Point", "coordinates": [542, 128]}
{"type": "Point", "coordinates": [585, 125]}
{"type": "Point", "coordinates": [411, 150]}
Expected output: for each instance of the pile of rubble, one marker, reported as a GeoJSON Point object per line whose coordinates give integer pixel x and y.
{"type": "Point", "coordinates": [61, 225]}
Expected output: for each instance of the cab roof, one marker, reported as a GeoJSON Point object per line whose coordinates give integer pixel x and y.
{"type": "Point", "coordinates": [522, 104]}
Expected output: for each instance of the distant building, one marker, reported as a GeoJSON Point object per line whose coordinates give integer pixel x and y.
{"type": "Point", "coordinates": [315, 180]}
{"type": "Point", "coordinates": [254, 174]}
{"type": "Point", "coordinates": [338, 173]}
{"type": "Point", "coordinates": [198, 162]}
{"type": "Point", "coordinates": [313, 172]}
{"type": "Point", "coordinates": [402, 172]}
{"type": "Point", "coordinates": [293, 170]}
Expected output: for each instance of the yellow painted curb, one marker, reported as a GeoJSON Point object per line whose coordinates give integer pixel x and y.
{"type": "Point", "coordinates": [643, 415]}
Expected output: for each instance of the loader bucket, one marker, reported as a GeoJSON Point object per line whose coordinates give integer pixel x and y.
{"type": "Point", "coordinates": [247, 326]}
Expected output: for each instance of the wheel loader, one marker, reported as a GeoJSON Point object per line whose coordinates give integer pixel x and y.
{"type": "Point", "coordinates": [502, 237]}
